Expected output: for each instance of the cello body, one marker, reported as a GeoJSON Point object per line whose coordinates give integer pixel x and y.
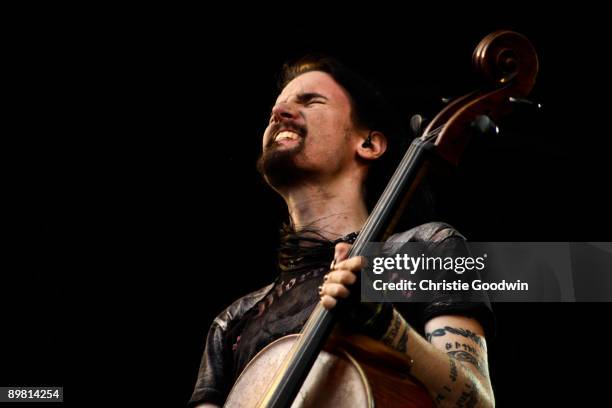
{"type": "Point", "coordinates": [354, 371]}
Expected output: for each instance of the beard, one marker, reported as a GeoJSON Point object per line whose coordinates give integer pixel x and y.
{"type": "Point", "coordinates": [278, 166]}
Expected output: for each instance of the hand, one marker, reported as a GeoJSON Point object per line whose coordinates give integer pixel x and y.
{"type": "Point", "coordinates": [372, 319]}
{"type": "Point", "coordinates": [343, 274]}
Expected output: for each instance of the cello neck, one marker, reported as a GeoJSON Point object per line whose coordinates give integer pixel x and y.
{"type": "Point", "coordinates": [317, 329]}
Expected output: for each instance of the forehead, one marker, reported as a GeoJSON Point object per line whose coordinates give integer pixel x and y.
{"type": "Point", "coordinates": [314, 82]}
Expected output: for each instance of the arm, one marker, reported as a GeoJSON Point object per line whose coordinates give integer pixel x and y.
{"type": "Point", "coordinates": [451, 362]}
{"type": "Point", "coordinates": [213, 377]}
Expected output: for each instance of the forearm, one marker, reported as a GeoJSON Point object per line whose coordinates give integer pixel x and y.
{"type": "Point", "coordinates": [453, 369]}
{"type": "Point", "coordinates": [454, 379]}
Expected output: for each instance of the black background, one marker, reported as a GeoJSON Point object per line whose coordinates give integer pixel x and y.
{"type": "Point", "coordinates": [138, 214]}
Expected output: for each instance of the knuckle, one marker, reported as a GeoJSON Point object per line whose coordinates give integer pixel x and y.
{"type": "Point", "coordinates": [328, 301]}
{"type": "Point", "coordinates": [334, 276]}
{"type": "Point", "coordinates": [351, 278]}
{"type": "Point", "coordinates": [347, 277]}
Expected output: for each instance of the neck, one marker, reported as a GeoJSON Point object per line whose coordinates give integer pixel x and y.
{"type": "Point", "coordinates": [334, 208]}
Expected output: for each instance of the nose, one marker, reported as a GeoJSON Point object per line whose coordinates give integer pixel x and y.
{"type": "Point", "coordinates": [283, 111]}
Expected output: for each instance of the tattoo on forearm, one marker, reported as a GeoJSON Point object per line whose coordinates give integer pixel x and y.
{"type": "Point", "coordinates": [453, 370]}
{"type": "Point", "coordinates": [461, 355]}
{"type": "Point", "coordinates": [459, 346]}
{"type": "Point", "coordinates": [394, 327]}
{"type": "Point", "coordinates": [446, 390]}
{"type": "Point", "coordinates": [461, 332]}
{"type": "Point", "coordinates": [397, 334]}
{"type": "Point", "coordinates": [468, 397]}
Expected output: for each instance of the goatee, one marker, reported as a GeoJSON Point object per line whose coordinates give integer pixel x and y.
{"type": "Point", "coordinates": [278, 166]}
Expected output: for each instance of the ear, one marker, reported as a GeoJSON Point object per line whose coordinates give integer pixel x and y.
{"type": "Point", "coordinates": [374, 148]}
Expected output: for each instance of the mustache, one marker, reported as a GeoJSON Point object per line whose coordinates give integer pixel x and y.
{"type": "Point", "coordinates": [286, 125]}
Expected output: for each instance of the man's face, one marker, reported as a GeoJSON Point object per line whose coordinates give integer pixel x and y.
{"type": "Point", "coordinates": [310, 133]}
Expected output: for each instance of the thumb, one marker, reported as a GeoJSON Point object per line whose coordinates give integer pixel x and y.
{"type": "Point", "coordinates": [341, 251]}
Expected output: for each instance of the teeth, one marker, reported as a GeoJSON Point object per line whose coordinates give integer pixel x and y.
{"type": "Point", "coordinates": [286, 135]}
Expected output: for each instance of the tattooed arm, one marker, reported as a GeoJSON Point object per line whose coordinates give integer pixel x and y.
{"type": "Point", "coordinates": [451, 361]}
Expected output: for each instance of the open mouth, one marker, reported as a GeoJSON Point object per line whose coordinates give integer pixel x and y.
{"type": "Point", "coordinates": [286, 135]}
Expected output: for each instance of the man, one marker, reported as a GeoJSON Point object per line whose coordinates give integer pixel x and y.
{"type": "Point", "coordinates": [327, 133]}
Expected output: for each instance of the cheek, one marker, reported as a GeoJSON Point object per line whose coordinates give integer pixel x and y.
{"type": "Point", "coordinates": [327, 131]}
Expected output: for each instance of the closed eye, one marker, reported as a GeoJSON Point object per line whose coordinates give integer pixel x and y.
{"type": "Point", "coordinates": [313, 101]}
{"type": "Point", "coordinates": [311, 98]}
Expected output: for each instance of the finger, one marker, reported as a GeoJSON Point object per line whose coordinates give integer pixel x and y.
{"type": "Point", "coordinates": [336, 290]}
{"type": "Point", "coordinates": [341, 251]}
{"type": "Point", "coordinates": [343, 276]}
{"type": "Point", "coordinates": [328, 302]}
{"type": "Point", "coordinates": [355, 263]}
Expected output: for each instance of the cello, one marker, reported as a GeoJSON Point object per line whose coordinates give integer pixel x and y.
{"type": "Point", "coordinates": [317, 369]}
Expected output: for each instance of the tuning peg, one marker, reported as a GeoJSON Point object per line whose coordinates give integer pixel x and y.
{"type": "Point", "coordinates": [446, 99]}
{"type": "Point", "coordinates": [416, 124]}
{"type": "Point", "coordinates": [525, 102]}
{"type": "Point", "coordinates": [485, 125]}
